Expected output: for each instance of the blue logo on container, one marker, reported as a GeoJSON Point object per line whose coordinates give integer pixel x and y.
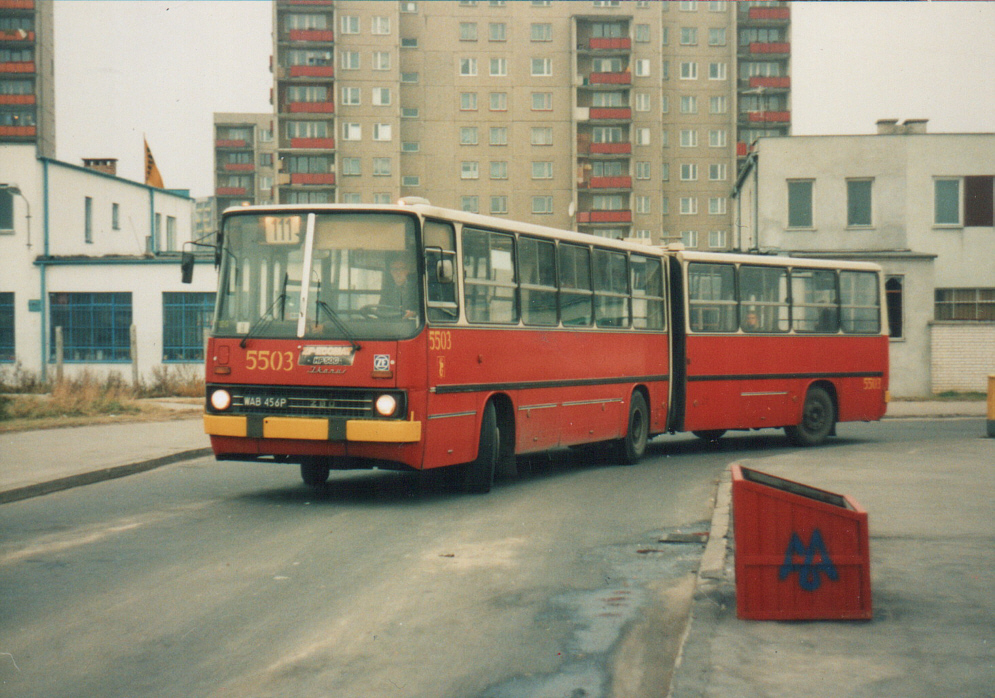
{"type": "Point", "coordinates": [808, 571]}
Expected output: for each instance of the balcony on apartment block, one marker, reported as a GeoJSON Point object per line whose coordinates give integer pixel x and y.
{"type": "Point", "coordinates": [602, 183]}
{"type": "Point", "coordinates": [771, 83]}
{"type": "Point", "coordinates": [609, 149]}
{"type": "Point", "coordinates": [615, 44]}
{"type": "Point", "coordinates": [309, 107]}
{"type": "Point", "coordinates": [239, 167]}
{"type": "Point", "coordinates": [20, 67]}
{"type": "Point", "coordinates": [309, 71]}
{"type": "Point", "coordinates": [17, 99]}
{"type": "Point", "coordinates": [777, 48]}
{"type": "Point", "coordinates": [623, 78]}
{"type": "Point", "coordinates": [604, 217]}
{"type": "Point", "coordinates": [766, 15]}
{"type": "Point", "coordinates": [18, 131]}
{"type": "Point", "coordinates": [313, 143]}
{"type": "Point", "coordinates": [16, 35]}
{"type": "Point", "coordinates": [17, 4]}
{"type": "Point", "coordinates": [768, 117]}
{"type": "Point", "coordinates": [305, 178]}
{"type": "Point", "coordinates": [231, 143]}
{"type": "Point", "coordinates": [319, 35]}
{"type": "Point", "coordinates": [230, 191]}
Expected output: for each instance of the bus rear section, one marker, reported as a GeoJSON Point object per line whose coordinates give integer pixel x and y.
{"type": "Point", "coordinates": [777, 342]}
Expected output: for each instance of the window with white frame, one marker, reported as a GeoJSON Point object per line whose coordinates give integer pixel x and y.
{"type": "Point", "coordinates": [410, 146]}
{"type": "Point", "coordinates": [381, 96]}
{"type": "Point", "coordinates": [664, 171]}
{"type": "Point", "coordinates": [689, 238]}
{"type": "Point", "coordinates": [409, 7]}
{"type": "Point", "coordinates": [499, 67]}
{"type": "Point", "coordinates": [665, 206]}
{"type": "Point", "coordinates": [467, 67]}
{"type": "Point", "coordinates": [642, 101]}
{"type": "Point", "coordinates": [470, 204]}
{"type": "Point", "coordinates": [381, 198]}
{"type": "Point", "coordinates": [689, 138]}
{"type": "Point", "coordinates": [409, 78]}
{"type": "Point", "coordinates": [499, 101]}
{"type": "Point", "coordinates": [469, 169]}
{"type": "Point", "coordinates": [541, 135]}
{"type": "Point", "coordinates": [542, 101]}
{"type": "Point", "coordinates": [499, 135]}
{"type": "Point", "coordinates": [349, 25]}
{"type": "Point", "coordinates": [717, 36]}
{"type": "Point", "coordinates": [499, 205]}
{"type": "Point", "coordinates": [468, 101]}
{"type": "Point", "coordinates": [642, 136]}
{"type": "Point", "coordinates": [467, 31]}
{"type": "Point", "coordinates": [689, 70]}
{"type": "Point", "coordinates": [497, 31]}
{"type": "Point", "coordinates": [642, 33]}
{"type": "Point", "coordinates": [665, 104]}
{"type": "Point", "coordinates": [468, 135]}
{"type": "Point", "coordinates": [718, 105]}
{"type": "Point", "coordinates": [352, 131]}
{"type": "Point", "coordinates": [381, 167]}
{"type": "Point", "coordinates": [499, 169]}
{"type": "Point", "coordinates": [381, 25]}
{"type": "Point", "coordinates": [642, 204]}
{"type": "Point", "coordinates": [542, 205]}
{"type": "Point", "coordinates": [409, 112]}
{"type": "Point", "coordinates": [409, 42]}
{"type": "Point", "coordinates": [716, 205]}
{"type": "Point", "coordinates": [717, 172]}
{"type": "Point", "coordinates": [689, 172]}
{"type": "Point", "coordinates": [352, 167]}
{"type": "Point", "coordinates": [718, 71]}
{"type": "Point", "coordinates": [541, 31]}
{"type": "Point", "coordinates": [643, 170]}
{"type": "Point", "coordinates": [689, 36]}
{"type": "Point", "coordinates": [717, 239]}
{"type": "Point", "coordinates": [717, 138]}
{"type": "Point", "coordinates": [381, 60]}
{"type": "Point", "coordinates": [542, 170]}
{"type": "Point", "coordinates": [349, 60]}
{"type": "Point", "coordinates": [689, 104]}
{"type": "Point", "coordinates": [411, 181]}
{"type": "Point", "coordinates": [689, 205]}
{"type": "Point", "coordinates": [642, 68]}
{"type": "Point", "coordinates": [351, 96]}
{"type": "Point", "coordinates": [542, 67]}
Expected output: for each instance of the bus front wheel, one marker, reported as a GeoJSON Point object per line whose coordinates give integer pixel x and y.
{"type": "Point", "coordinates": [632, 446]}
{"type": "Point", "coordinates": [314, 473]}
{"type": "Point", "coordinates": [477, 476]}
{"type": "Point", "coordinates": [818, 419]}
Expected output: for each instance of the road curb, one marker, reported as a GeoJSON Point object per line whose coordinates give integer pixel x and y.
{"type": "Point", "coordinates": [100, 475]}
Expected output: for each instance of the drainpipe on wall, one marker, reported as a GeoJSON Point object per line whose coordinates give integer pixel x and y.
{"type": "Point", "coordinates": [43, 267]}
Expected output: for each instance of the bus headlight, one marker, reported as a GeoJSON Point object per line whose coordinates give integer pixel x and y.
{"type": "Point", "coordinates": [386, 405]}
{"type": "Point", "coordinates": [221, 400]}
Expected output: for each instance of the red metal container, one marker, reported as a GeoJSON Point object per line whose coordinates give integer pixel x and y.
{"type": "Point", "coordinates": [801, 553]}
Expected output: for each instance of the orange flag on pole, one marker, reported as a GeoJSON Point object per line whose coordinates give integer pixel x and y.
{"type": "Point", "coordinates": [152, 176]}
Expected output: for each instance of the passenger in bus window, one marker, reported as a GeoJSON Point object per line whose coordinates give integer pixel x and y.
{"type": "Point", "coordinates": [751, 323]}
{"type": "Point", "coordinates": [400, 289]}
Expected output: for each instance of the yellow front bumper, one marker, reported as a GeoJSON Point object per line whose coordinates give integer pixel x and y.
{"type": "Point", "coordinates": [371, 430]}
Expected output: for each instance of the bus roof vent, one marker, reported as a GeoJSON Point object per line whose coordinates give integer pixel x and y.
{"type": "Point", "coordinates": [675, 246]}
{"type": "Point", "coordinates": [413, 200]}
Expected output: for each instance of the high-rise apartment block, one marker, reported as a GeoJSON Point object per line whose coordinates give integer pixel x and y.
{"type": "Point", "coordinates": [27, 74]}
{"type": "Point", "coordinates": [622, 119]}
{"type": "Point", "coordinates": [244, 159]}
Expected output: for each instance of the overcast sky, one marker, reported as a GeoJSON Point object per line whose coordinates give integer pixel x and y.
{"type": "Point", "coordinates": [125, 68]}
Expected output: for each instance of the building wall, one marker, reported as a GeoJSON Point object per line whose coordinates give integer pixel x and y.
{"type": "Point", "coordinates": [962, 356]}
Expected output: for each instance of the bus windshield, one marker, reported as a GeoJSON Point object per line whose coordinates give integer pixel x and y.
{"type": "Point", "coordinates": [361, 278]}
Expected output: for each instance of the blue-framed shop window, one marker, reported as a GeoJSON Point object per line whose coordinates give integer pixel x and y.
{"type": "Point", "coordinates": [185, 316]}
{"type": "Point", "coordinates": [96, 327]}
{"type": "Point", "coordinates": [7, 350]}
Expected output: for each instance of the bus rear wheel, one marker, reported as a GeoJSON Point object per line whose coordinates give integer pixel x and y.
{"type": "Point", "coordinates": [632, 446]}
{"type": "Point", "coordinates": [818, 419]}
{"type": "Point", "coordinates": [314, 473]}
{"type": "Point", "coordinates": [710, 435]}
{"type": "Point", "coordinates": [477, 476]}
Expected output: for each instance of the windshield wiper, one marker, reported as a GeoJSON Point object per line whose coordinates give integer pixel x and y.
{"type": "Point", "coordinates": [338, 323]}
{"type": "Point", "coordinates": [263, 320]}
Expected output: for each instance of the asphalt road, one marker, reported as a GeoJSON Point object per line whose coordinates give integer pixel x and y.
{"type": "Point", "coordinates": [231, 579]}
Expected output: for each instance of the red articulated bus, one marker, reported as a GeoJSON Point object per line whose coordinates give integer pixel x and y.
{"type": "Point", "coordinates": [414, 337]}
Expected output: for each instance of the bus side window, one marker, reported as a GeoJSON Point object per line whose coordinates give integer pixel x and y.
{"type": "Point", "coordinates": [763, 297]}
{"type": "Point", "coordinates": [575, 285]}
{"type": "Point", "coordinates": [537, 276]}
{"type": "Point", "coordinates": [861, 304]}
{"type": "Point", "coordinates": [647, 293]}
{"type": "Point", "coordinates": [814, 301]}
{"type": "Point", "coordinates": [440, 251]}
{"type": "Point", "coordinates": [611, 289]}
{"type": "Point", "coordinates": [489, 284]}
{"type": "Point", "coordinates": [712, 297]}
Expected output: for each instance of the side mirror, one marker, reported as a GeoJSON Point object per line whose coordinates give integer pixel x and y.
{"type": "Point", "coordinates": [186, 267]}
{"type": "Point", "coordinates": [444, 271]}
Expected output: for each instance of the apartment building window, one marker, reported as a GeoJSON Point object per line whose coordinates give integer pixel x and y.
{"type": "Point", "coordinates": [409, 43]}
{"type": "Point", "coordinates": [689, 7]}
{"type": "Point", "coordinates": [349, 25]}
{"type": "Point", "coordinates": [352, 132]}
{"type": "Point", "coordinates": [468, 67]}
{"type": "Point", "coordinates": [718, 71]}
{"type": "Point", "coordinates": [717, 138]}
{"type": "Point", "coordinates": [467, 31]}
{"type": "Point", "coordinates": [499, 169]}
{"type": "Point", "coordinates": [689, 104]}
{"type": "Point", "coordinates": [541, 32]}
{"type": "Point", "coordinates": [542, 170]}
{"type": "Point", "coordinates": [410, 147]}
{"type": "Point", "coordinates": [542, 205]}
{"type": "Point", "coordinates": [499, 101]}
{"type": "Point", "coordinates": [469, 169]}
{"type": "Point", "coordinates": [499, 67]}
{"type": "Point", "coordinates": [541, 135]}
{"type": "Point", "coordinates": [607, 65]}
{"type": "Point", "coordinates": [947, 201]}
{"type": "Point", "coordinates": [542, 67]}
{"type": "Point", "coordinates": [409, 78]}
{"type": "Point", "coordinates": [717, 239]}
{"type": "Point", "coordinates": [642, 136]}
{"type": "Point", "coordinates": [718, 172]}
{"type": "Point", "coordinates": [381, 167]}
{"type": "Point", "coordinates": [716, 205]}
{"type": "Point", "coordinates": [382, 132]}
{"type": "Point", "coordinates": [800, 203]}
{"type": "Point", "coordinates": [497, 31]}
{"type": "Point", "coordinates": [718, 105]}
{"type": "Point", "coordinates": [609, 202]}
{"type": "Point", "coordinates": [642, 68]}
{"type": "Point", "coordinates": [609, 168]}
{"type": "Point", "coordinates": [381, 96]}
{"type": "Point", "coordinates": [307, 197]}
{"type": "Point", "coordinates": [468, 101]}
{"type": "Point", "coordinates": [469, 135]}
{"type": "Point", "coordinates": [411, 181]}
{"type": "Point", "coordinates": [542, 101]}
{"type": "Point", "coordinates": [470, 204]}
{"type": "Point", "coordinates": [642, 33]}
{"type": "Point", "coordinates": [964, 200]}
{"type": "Point", "coordinates": [171, 233]}
{"type": "Point", "coordinates": [664, 36]}
{"type": "Point", "coordinates": [87, 219]}
{"type": "Point", "coordinates": [309, 164]}
{"type": "Point", "coordinates": [541, 3]}
{"type": "Point", "coordinates": [352, 197]}
{"type": "Point", "coordinates": [642, 101]}
{"type": "Point", "coordinates": [858, 203]}
{"type": "Point", "coordinates": [607, 134]}
{"type": "Point", "coordinates": [689, 70]}
{"type": "Point", "coordinates": [409, 112]}
{"type": "Point", "coordinates": [689, 206]}
{"type": "Point", "coordinates": [689, 172]}
{"type": "Point", "coordinates": [689, 238]}
{"type": "Point", "coordinates": [689, 36]}
{"type": "Point", "coordinates": [95, 326]}
{"type": "Point", "coordinates": [115, 216]}
{"type": "Point", "coordinates": [8, 351]}
{"type": "Point", "coordinates": [409, 7]}
{"type": "Point", "coordinates": [664, 171]}
{"type": "Point", "coordinates": [718, 6]}
{"type": "Point", "coordinates": [351, 96]}
{"type": "Point", "coordinates": [665, 104]}
{"type": "Point", "coordinates": [381, 60]}
{"type": "Point", "coordinates": [352, 167]}
{"type": "Point", "coordinates": [381, 25]}
{"type": "Point", "coordinates": [965, 304]}
{"type": "Point", "coordinates": [499, 135]}
{"type": "Point", "coordinates": [642, 204]}
{"type": "Point", "coordinates": [717, 36]}
{"type": "Point", "coordinates": [185, 317]}
{"type": "Point", "coordinates": [643, 170]}
{"type": "Point", "coordinates": [689, 138]}
{"type": "Point", "coordinates": [307, 93]}
{"type": "Point", "coordinates": [499, 205]}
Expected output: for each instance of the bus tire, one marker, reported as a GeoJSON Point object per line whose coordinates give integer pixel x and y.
{"type": "Point", "coordinates": [818, 419]}
{"type": "Point", "coordinates": [710, 435]}
{"type": "Point", "coordinates": [477, 476]}
{"type": "Point", "coordinates": [632, 446]}
{"type": "Point", "coordinates": [314, 473]}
